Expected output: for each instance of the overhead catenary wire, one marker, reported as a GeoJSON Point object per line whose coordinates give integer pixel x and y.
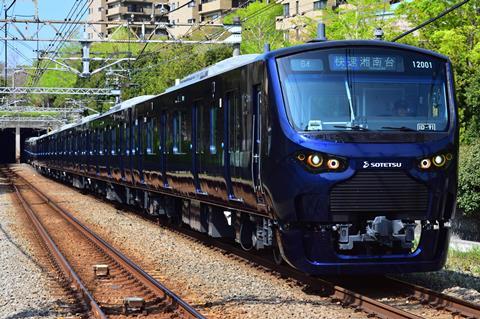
{"type": "Point", "coordinates": [64, 32]}
{"type": "Point", "coordinates": [248, 17]}
{"type": "Point", "coordinates": [223, 14]}
{"type": "Point", "coordinates": [443, 13]}
{"type": "Point", "coordinates": [61, 43]}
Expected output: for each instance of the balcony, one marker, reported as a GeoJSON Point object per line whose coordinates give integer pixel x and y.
{"type": "Point", "coordinates": [215, 5]}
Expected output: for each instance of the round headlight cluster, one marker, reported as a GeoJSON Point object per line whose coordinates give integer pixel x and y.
{"type": "Point", "coordinates": [320, 162]}
{"type": "Point", "coordinates": [333, 163]}
{"type": "Point", "coordinates": [438, 161]}
{"type": "Point", "coordinates": [315, 160]}
{"type": "Point", "coordinates": [425, 163]}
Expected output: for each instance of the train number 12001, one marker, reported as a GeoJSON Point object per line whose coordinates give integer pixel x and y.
{"type": "Point", "coordinates": [422, 65]}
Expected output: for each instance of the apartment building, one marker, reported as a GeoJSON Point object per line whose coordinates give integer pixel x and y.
{"type": "Point", "coordinates": [182, 12]}
{"type": "Point", "coordinates": [123, 11]}
{"type": "Point", "coordinates": [295, 12]}
{"type": "Point", "coordinates": [186, 12]}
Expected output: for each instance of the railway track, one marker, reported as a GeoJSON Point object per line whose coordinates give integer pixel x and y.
{"type": "Point", "coordinates": [111, 285]}
{"type": "Point", "coordinates": [360, 294]}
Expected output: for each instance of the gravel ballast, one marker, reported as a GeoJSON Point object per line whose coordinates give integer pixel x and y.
{"type": "Point", "coordinates": [24, 284]}
{"type": "Point", "coordinates": [218, 286]}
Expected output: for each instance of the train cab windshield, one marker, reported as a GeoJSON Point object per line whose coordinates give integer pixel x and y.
{"type": "Point", "coordinates": [364, 89]}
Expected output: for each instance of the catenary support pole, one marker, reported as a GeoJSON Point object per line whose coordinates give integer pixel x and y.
{"type": "Point", "coordinates": [17, 144]}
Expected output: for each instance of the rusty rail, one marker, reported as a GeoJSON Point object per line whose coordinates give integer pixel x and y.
{"type": "Point", "coordinates": [60, 259]}
{"type": "Point", "coordinates": [143, 277]}
{"type": "Point", "coordinates": [438, 300]}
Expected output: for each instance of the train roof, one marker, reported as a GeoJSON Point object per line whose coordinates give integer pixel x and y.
{"type": "Point", "coordinates": [242, 60]}
{"type": "Point", "coordinates": [346, 43]}
{"type": "Point", "coordinates": [118, 107]}
{"type": "Point", "coordinates": [215, 69]}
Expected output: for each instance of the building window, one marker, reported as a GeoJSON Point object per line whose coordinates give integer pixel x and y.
{"type": "Point", "coordinates": [319, 5]}
{"type": "Point", "coordinates": [191, 20]}
{"type": "Point", "coordinates": [191, 4]}
{"type": "Point", "coordinates": [286, 10]}
{"type": "Point", "coordinates": [297, 7]}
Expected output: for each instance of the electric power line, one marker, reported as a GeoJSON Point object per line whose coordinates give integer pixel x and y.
{"type": "Point", "coordinates": [458, 5]}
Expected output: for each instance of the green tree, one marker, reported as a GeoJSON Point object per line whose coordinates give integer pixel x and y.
{"type": "Point", "coordinates": [258, 27]}
{"type": "Point", "coordinates": [469, 180]}
{"type": "Point", "coordinates": [355, 20]}
{"type": "Point", "coordinates": [455, 35]}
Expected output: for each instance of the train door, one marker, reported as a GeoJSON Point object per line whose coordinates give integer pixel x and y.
{"type": "Point", "coordinates": [130, 147]}
{"type": "Point", "coordinates": [121, 149]}
{"type": "Point", "coordinates": [139, 149]}
{"type": "Point", "coordinates": [162, 131]}
{"type": "Point", "coordinates": [198, 148]}
{"type": "Point", "coordinates": [108, 150]}
{"type": "Point", "coordinates": [227, 105]}
{"type": "Point", "coordinates": [256, 146]}
{"type": "Point", "coordinates": [240, 148]}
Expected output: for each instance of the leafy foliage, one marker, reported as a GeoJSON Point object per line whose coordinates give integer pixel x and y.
{"type": "Point", "coordinates": [258, 27]}
{"type": "Point", "coordinates": [455, 35]}
{"type": "Point", "coordinates": [469, 179]}
{"type": "Point", "coordinates": [355, 20]}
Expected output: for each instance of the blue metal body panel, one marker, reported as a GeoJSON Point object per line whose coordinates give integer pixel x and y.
{"type": "Point", "coordinates": [284, 183]}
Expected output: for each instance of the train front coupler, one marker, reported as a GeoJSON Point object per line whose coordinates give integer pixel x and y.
{"type": "Point", "coordinates": [381, 231]}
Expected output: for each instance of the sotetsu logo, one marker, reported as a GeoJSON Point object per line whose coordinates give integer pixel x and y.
{"type": "Point", "coordinates": [381, 164]}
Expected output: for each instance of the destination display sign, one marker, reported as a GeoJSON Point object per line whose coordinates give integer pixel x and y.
{"type": "Point", "coordinates": [308, 65]}
{"type": "Point", "coordinates": [376, 63]}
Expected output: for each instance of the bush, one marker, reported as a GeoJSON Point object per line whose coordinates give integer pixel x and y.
{"type": "Point", "coordinates": [469, 179]}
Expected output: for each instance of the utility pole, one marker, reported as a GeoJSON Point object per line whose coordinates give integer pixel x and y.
{"type": "Point", "coordinates": [236, 32]}
{"type": "Point", "coordinates": [6, 35]}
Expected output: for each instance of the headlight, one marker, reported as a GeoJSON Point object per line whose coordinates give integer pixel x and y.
{"type": "Point", "coordinates": [319, 162]}
{"type": "Point", "coordinates": [314, 160]}
{"type": "Point", "coordinates": [441, 160]}
{"type": "Point", "coordinates": [425, 163]}
{"type": "Point", "coordinates": [333, 164]}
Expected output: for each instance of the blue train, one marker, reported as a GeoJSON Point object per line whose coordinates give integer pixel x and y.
{"type": "Point", "coordinates": [340, 156]}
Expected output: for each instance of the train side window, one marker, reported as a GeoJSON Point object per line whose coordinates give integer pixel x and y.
{"type": "Point", "coordinates": [127, 139]}
{"type": "Point", "coordinates": [100, 142]}
{"type": "Point", "coordinates": [149, 130]}
{"type": "Point", "coordinates": [181, 133]}
{"type": "Point", "coordinates": [168, 132]}
{"type": "Point", "coordinates": [135, 138]}
{"type": "Point", "coordinates": [213, 130]}
{"type": "Point", "coordinates": [121, 140]}
{"type": "Point", "coordinates": [202, 127]}
{"type": "Point", "coordinates": [113, 140]}
{"type": "Point", "coordinates": [235, 117]}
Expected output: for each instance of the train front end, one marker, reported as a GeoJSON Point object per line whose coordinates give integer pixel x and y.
{"type": "Point", "coordinates": [362, 170]}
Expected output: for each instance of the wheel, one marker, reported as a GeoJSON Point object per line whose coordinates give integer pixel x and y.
{"type": "Point", "coordinates": [277, 255]}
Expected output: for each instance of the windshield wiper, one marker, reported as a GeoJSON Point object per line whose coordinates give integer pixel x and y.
{"type": "Point", "coordinates": [353, 127]}
{"type": "Point", "coordinates": [401, 128]}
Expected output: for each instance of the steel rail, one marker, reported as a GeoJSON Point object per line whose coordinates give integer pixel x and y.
{"type": "Point", "coordinates": [345, 296]}
{"type": "Point", "coordinates": [439, 300]}
{"type": "Point", "coordinates": [60, 259]}
{"type": "Point", "coordinates": [120, 258]}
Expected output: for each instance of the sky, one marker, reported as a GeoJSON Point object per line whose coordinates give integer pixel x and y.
{"type": "Point", "coordinates": [25, 9]}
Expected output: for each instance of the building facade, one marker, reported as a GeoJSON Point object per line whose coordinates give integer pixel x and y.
{"type": "Point", "coordinates": [296, 13]}
{"type": "Point", "coordinates": [144, 11]}
{"type": "Point", "coordinates": [181, 14]}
